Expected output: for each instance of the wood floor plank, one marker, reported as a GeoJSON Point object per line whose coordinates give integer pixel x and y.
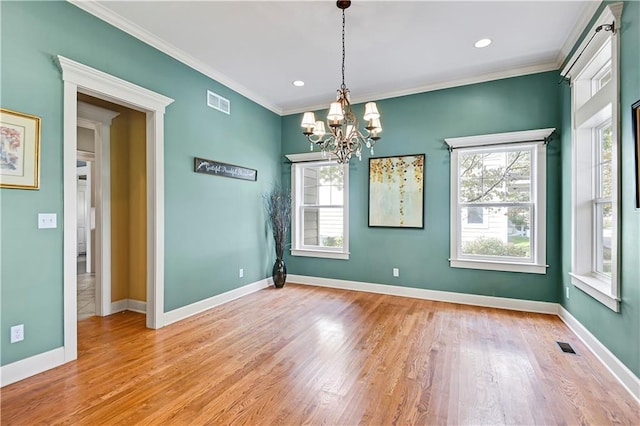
{"type": "Point", "coordinates": [308, 355]}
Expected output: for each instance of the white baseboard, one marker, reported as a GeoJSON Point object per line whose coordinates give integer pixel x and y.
{"type": "Point", "coordinates": [440, 296]}
{"type": "Point", "coordinates": [118, 306]}
{"type": "Point", "coordinates": [625, 376]}
{"type": "Point", "coordinates": [137, 306]}
{"type": "Point", "coordinates": [128, 305]}
{"type": "Point", "coordinates": [31, 366]}
{"type": "Point", "coordinates": [27, 367]}
{"type": "Point", "coordinates": [606, 357]}
{"type": "Point", "coordinates": [197, 307]}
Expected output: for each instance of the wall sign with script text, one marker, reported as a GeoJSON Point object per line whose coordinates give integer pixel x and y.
{"type": "Point", "coordinates": [211, 167]}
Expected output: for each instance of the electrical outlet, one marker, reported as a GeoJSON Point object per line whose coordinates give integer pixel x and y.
{"type": "Point", "coordinates": [241, 273]}
{"type": "Point", "coordinates": [17, 333]}
{"type": "Point", "coordinates": [47, 220]}
{"type": "Point", "coordinates": [396, 272]}
{"type": "Point", "coordinates": [567, 291]}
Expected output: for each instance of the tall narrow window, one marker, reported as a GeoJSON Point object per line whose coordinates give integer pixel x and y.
{"type": "Point", "coordinates": [595, 182]}
{"type": "Point", "coordinates": [602, 202]}
{"type": "Point", "coordinates": [498, 187]}
{"type": "Point", "coordinates": [320, 208]}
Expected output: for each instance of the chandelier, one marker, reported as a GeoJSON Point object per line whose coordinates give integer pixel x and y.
{"type": "Point", "coordinates": [344, 138]}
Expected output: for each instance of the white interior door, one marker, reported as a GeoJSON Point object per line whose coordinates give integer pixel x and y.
{"type": "Point", "coordinates": [82, 216]}
{"type": "Point", "coordinates": [84, 222]}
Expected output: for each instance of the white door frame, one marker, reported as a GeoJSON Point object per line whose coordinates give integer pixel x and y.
{"type": "Point", "coordinates": [99, 121]}
{"type": "Point", "coordinates": [81, 78]}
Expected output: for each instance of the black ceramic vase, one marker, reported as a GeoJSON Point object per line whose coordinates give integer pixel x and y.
{"type": "Point", "coordinates": [279, 273]}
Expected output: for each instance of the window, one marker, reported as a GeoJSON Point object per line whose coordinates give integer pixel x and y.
{"type": "Point", "coordinates": [594, 115]}
{"type": "Point", "coordinates": [498, 191]}
{"type": "Point", "coordinates": [475, 216]}
{"type": "Point", "coordinates": [320, 207]}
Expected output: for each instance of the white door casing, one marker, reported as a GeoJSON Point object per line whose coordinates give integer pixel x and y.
{"type": "Point", "coordinates": [81, 78]}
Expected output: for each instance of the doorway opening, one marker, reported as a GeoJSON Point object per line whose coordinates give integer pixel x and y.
{"type": "Point", "coordinates": [81, 79]}
{"type": "Point", "coordinates": [117, 136]}
{"type": "Point", "coordinates": [86, 233]}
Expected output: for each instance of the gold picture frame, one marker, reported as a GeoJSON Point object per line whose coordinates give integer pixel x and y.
{"type": "Point", "coordinates": [635, 119]}
{"type": "Point", "coordinates": [19, 150]}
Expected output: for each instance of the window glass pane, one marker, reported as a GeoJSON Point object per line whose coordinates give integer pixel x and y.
{"type": "Point", "coordinates": [604, 230]}
{"type": "Point", "coordinates": [323, 185]}
{"type": "Point", "coordinates": [495, 177]}
{"type": "Point", "coordinates": [605, 78]}
{"type": "Point", "coordinates": [518, 176]}
{"type": "Point", "coordinates": [475, 215]}
{"type": "Point", "coordinates": [310, 185]}
{"type": "Point", "coordinates": [507, 232]}
{"type": "Point", "coordinates": [604, 161]}
{"type": "Point", "coordinates": [601, 78]}
{"type": "Point", "coordinates": [322, 226]}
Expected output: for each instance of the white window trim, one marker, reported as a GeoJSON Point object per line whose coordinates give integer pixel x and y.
{"type": "Point", "coordinates": [605, 291]}
{"type": "Point", "coordinates": [539, 192]}
{"type": "Point", "coordinates": [325, 253]}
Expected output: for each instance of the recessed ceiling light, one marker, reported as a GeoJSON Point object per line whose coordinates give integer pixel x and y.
{"type": "Point", "coordinates": [484, 42]}
{"type": "Point", "coordinates": [298, 83]}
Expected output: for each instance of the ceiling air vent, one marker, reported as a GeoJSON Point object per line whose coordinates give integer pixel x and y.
{"type": "Point", "coordinates": [216, 101]}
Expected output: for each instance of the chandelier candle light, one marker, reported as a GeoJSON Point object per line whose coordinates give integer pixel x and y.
{"type": "Point", "coordinates": [344, 138]}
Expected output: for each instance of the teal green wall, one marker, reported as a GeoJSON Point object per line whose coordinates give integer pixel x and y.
{"type": "Point", "coordinates": [214, 225]}
{"type": "Point", "coordinates": [419, 124]}
{"type": "Point", "coordinates": [620, 332]}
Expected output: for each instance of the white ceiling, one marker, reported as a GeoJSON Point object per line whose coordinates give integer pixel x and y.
{"type": "Point", "coordinates": [393, 48]}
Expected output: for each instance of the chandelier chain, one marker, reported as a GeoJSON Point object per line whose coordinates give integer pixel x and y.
{"type": "Point", "coordinates": [343, 51]}
{"type": "Point", "coordinates": [343, 139]}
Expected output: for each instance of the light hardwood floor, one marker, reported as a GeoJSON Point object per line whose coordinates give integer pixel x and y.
{"type": "Point", "coordinates": [323, 356]}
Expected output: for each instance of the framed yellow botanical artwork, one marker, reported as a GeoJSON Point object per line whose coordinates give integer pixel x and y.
{"type": "Point", "coordinates": [396, 191]}
{"type": "Point", "coordinates": [19, 150]}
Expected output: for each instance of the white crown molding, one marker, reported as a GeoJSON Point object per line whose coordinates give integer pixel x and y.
{"type": "Point", "coordinates": [579, 27]}
{"type": "Point", "coordinates": [107, 15]}
{"type": "Point", "coordinates": [31, 366]}
{"type": "Point", "coordinates": [604, 355]}
{"type": "Point", "coordinates": [499, 75]}
{"type": "Point", "coordinates": [114, 19]}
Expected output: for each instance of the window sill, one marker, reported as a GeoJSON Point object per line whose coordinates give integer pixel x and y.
{"type": "Point", "coordinates": [529, 268]}
{"type": "Point", "coordinates": [598, 289]}
{"type": "Point", "coordinates": [320, 253]}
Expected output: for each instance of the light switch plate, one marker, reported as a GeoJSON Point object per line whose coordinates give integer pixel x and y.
{"type": "Point", "coordinates": [47, 220]}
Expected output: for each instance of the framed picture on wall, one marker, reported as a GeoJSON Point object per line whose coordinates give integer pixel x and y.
{"type": "Point", "coordinates": [396, 191]}
{"type": "Point", "coordinates": [19, 150]}
{"type": "Point", "coordinates": [635, 119]}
